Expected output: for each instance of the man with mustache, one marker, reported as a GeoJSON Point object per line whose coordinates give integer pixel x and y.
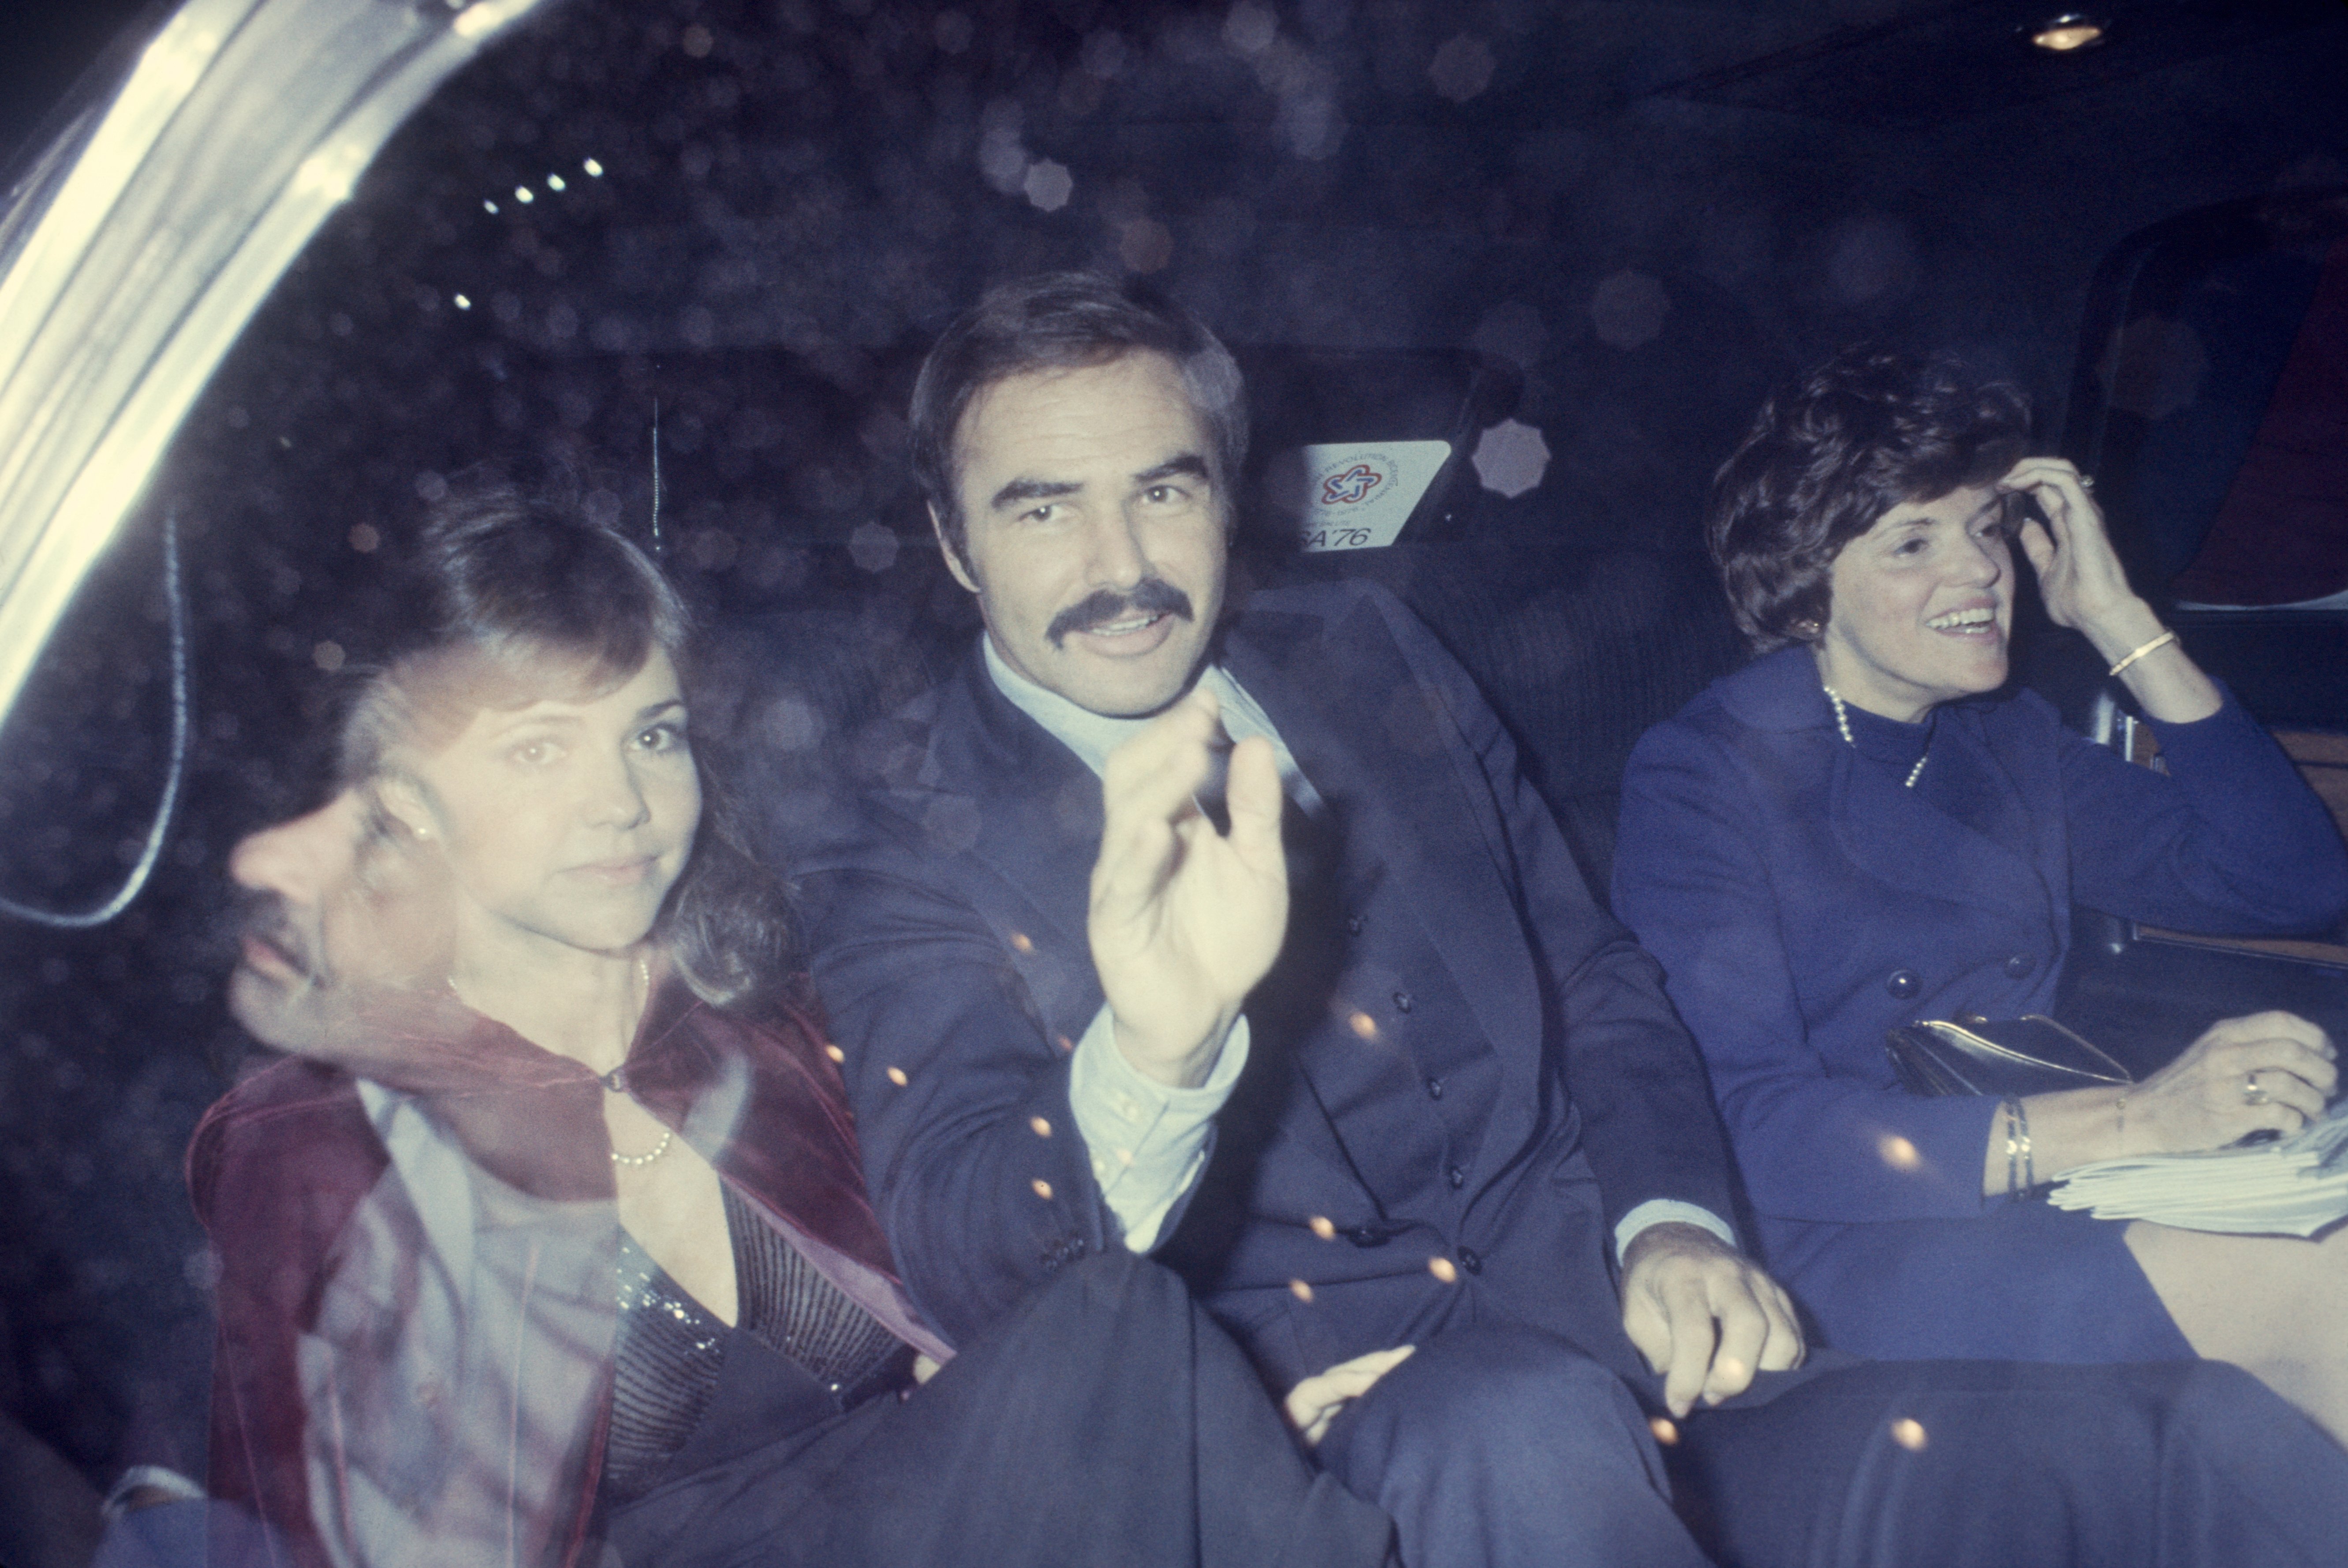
{"type": "Point", "coordinates": [1455, 1113]}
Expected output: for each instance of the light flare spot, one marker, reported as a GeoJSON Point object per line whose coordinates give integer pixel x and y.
{"type": "Point", "coordinates": [1462, 67]}
{"type": "Point", "coordinates": [896, 1076]}
{"type": "Point", "coordinates": [1043, 1188]}
{"type": "Point", "coordinates": [1510, 458]}
{"type": "Point", "coordinates": [554, 182]}
{"type": "Point", "coordinates": [523, 194]}
{"type": "Point", "coordinates": [489, 206]}
{"type": "Point", "coordinates": [1043, 1128]}
{"type": "Point", "coordinates": [1908, 1433]}
{"type": "Point", "coordinates": [1022, 942]}
{"type": "Point", "coordinates": [1363, 1024]}
{"type": "Point", "coordinates": [1048, 185]}
{"type": "Point", "coordinates": [1066, 1044]}
{"type": "Point", "coordinates": [595, 170]}
{"type": "Point", "coordinates": [1301, 1291]}
{"type": "Point", "coordinates": [461, 302]}
{"type": "Point", "coordinates": [1899, 1154]}
{"type": "Point", "coordinates": [1442, 1269]}
{"type": "Point", "coordinates": [365, 539]}
{"type": "Point", "coordinates": [328, 656]}
{"type": "Point", "coordinates": [1323, 1227]}
{"type": "Point", "coordinates": [835, 1053]}
{"type": "Point", "coordinates": [1666, 1432]}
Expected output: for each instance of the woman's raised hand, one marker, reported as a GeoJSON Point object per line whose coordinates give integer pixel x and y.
{"type": "Point", "coordinates": [1185, 920]}
{"type": "Point", "coordinates": [2245, 1075]}
{"type": "Point", "coordinates": [2085, 588]}
{"type": "Point", "coordinates": [2079, 574]}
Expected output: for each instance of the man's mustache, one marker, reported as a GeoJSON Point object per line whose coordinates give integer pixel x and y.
{"type": "Point", "coordinates": [1151, 596]}
{"type": "Point", "coordinates": [262, 915]}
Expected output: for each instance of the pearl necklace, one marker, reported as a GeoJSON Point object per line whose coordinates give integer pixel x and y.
{"type": "Point", "coordinates": [616, 1081]}
{"type": "Point", "coordinates": [1842, 722]}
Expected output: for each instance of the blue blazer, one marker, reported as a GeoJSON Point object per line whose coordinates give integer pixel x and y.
{"type": "Point", "coordinates": [1803, 903]}
{"type": "Point", "coordinates": [1459, 1058]}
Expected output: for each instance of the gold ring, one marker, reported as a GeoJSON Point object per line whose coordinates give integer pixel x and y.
{"type": "Point", "coordinates": [2252, 1093]}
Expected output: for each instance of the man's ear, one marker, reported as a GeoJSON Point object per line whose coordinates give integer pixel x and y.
{"type": "Point", "coordinates": [401, 804]}
{"type": "Point", "coordinates": [954, 562]}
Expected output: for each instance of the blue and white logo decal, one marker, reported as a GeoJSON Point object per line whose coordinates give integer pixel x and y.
{"type": "Point", "coordinates": [1358, 497]}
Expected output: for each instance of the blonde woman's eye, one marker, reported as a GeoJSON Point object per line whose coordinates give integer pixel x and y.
{"type": "Point", "coordinates": [534, 753]}
{"type": "Point", "coordinates": [662, 737]}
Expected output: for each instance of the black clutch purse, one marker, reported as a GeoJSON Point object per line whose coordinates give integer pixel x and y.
{"type": "Point", "coordinates": [2029, 1055]}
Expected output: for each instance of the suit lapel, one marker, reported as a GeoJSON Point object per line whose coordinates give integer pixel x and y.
{"type": "Point", "coordinates": [1895, 836]}
{"type": "Point", "coordinates": [1352, 715]}
{"type": "Point", "coordinates": [1001, 788]}
{"type": "Point", "coordinates": [1885, 829]}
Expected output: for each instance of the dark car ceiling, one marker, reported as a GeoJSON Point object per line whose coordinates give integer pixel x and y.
{"type": "Point", "coordinates": [1936, 65]}
{"type": "Point", "coordinates": [1651, 211]}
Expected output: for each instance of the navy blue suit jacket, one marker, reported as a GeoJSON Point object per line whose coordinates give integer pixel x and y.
{"type": "Point", "coordinates": [1803, 902]}
{"type": "Point", "coordinates": [948, 927]}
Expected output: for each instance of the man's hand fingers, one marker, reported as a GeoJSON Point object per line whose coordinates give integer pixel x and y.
{"type": "Point", "coordinates": [1253, 797]}
{"type": "Point", "coordinates": [1692, 1341]}
{"type": "Point", "coordinates": [1153, 776]}
{"type": "Point", "coordinates": [1744, 1338]}
{"type": "Point", "coordinates": [1786, 1348]}
{"type": "Point", "coordinates": [1314, 1403]}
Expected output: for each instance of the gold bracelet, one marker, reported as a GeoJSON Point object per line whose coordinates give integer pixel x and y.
{"type": "Point", "coordinates": [2161, 641]}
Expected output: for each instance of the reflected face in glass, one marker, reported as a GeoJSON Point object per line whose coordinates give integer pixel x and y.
{"type": "Point", "coordinates": [342, 899]}
{"type": "Point", "coordinates": [562, 819]}
{"type": "Point", "coordinates": [1095, 534]}
{"type": "Point", "coordinates": [1922, 606]}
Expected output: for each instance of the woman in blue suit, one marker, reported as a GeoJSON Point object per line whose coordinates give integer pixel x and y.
{"type": "Point", "coordinates": [1858, 830]}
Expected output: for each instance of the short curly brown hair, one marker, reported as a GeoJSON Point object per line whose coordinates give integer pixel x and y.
{"type": "Point", "coordinates": [1867, 431]}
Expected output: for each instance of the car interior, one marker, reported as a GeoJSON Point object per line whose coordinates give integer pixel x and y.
{"type": "Point", "coordinates": [1536, 261]}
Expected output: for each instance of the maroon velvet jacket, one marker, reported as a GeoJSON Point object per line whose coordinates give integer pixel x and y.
{"type": "Point", "coordinates": [281, 1166]}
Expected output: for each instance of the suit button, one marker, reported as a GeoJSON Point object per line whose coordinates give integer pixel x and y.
{"type": "Point", "coordinates": [1904, 984]}
{"type": "Point", "coordinates": [1353, 925]}
{"type": "Point", "coordinates": [1471, 1260]}
{"type": "Point", "coordinates": [1366, 1236]}
{"type": "Point", "coordinates": [1402, 1001]}
{"type": "Point", "coordinates": [2019, 966]}
{"type": "Point", "coordinates": [1457, 1177]}
{"type": "Point", "coordinates": [1434, 1089]}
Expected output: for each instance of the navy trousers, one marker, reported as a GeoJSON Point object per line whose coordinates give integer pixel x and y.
{"type": "Point", "coordinates": [1501, 1447]}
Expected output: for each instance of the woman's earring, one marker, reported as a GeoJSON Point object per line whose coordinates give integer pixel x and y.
{"type": "Point", "coordinates": [1805, 629]}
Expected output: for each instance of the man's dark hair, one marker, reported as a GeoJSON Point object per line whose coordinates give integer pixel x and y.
{"type": "Point", "coordinates": [1066, 320]}
{"type": "Point", "coordinates": [1867, 431]}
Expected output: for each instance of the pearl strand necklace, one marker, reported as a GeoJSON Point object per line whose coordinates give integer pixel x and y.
{"type": "Point", "coordinates": [1842, 722]}
{"type": "Point", "coordinates": [616, 1081]}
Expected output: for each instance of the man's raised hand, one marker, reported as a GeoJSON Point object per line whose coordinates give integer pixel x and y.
{"type": "Point", "coordinates": [1185, 920]}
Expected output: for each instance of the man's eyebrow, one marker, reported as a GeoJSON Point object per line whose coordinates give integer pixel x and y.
{"type": "Point", "coordinates": [1018, 490]}
{"type": "Point", "coordinates": [1190, 464]}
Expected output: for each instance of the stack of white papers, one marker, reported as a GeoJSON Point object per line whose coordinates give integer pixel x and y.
{"type": "Point", "coordinates": [2294, 1187]}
